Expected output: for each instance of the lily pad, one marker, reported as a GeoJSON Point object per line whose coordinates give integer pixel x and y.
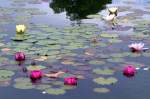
{"type": "Point", "coordinates": [6, 73]}
{"type": "Point", "coordinates": [101, 90]}
{"type": "Point", "coordinates": [38, 67]}
{"type": "Point", "coordinates": [24, 85]}
{"type": "Point", "coordinates": [96, 62]}
{"type": "Point", "coordinates": [105, 81]}
{"type": "Point", "coordinates": [104, 71]}
{"type": "Point", "coordinates": [55, 91]}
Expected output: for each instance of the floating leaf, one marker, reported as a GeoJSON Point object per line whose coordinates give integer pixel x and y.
{"type": "Point", "coordinates": [108, 35]}
{"type": "Point", "coordinates": [24, 85]}
{"type": "Point", "coordinates": [22, 80]}
{"type": "Point", "coordinates": [104, 71]}
{"type": "Point", "coordinates": [6, 73]}
{"type": "Point", "coordinates": [55, 91]}
{"type": "Point", "coordinates": [105, 81]}
{"type": "Point", "coordinates": [42, 86]}
{"type": "Point", "coordinates": [96, 62]}
{"type": "Point", "coordinates": [101, 90]}
{"type": "Point", "coordinates": [38, 67]}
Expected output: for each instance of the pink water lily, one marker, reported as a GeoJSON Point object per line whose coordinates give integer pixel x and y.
{"type": "Point", "coordinates": [137, 47]}
{"type": "Point", "coordinates": [129, 71]}
{"type": "Point", "coordinates": [70, 81]}
{"type": "Point", "coordinates": [35, 74]}
{"type": "Point", "coordinates": [19, 56]}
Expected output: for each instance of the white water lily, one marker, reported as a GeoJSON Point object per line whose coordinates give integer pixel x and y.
{"type": "Point", "coordinates": [110, 17]}
{"type": "Point", "coordinates": [20, 28]}
{"type": "Point", "coordinates": [136, 47]}
{"type": "Point", "coordinates": [113, 10]}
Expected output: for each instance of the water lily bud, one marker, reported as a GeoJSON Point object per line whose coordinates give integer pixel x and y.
{"type": "Point", "coordinates": [19, 56]}
{"type": "Point", "coordinates": [129, 71]}
{"type": "Point", "coordinates": [20, 28]}
{"type": "Point", "coordinates": [35, 75]}
{"type": "Point", "coordinates": [70, 81]}
{"type": "Point", "coordinates": [113, 10]}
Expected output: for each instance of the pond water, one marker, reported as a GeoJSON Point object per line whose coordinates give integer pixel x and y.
{"type": "Point", "coordinates": [71, 35]}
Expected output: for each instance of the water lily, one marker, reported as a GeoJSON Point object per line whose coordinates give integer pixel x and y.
{"type": "Point", "coordinates": [113, 10]}
{"type": "Point", "coordinates": [111, 18]}
{"type": "Point", "coordinates": [35, 75]}
{"type": "Point", "coordinates": [20, 28]}
{"type": "Point", "coordinates": [137, 47]}
{"type": "Point", "coordinates": [129, 71]}
{"type": "Point", "coordinates": [19, 56]}
{"type": "Point", "coordinates": [70, 81]}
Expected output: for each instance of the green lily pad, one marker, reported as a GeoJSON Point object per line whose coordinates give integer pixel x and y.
{"type": "Point", "coordinates": [96, 62]}
{"type": "Point", "coordinates": [55, 91]}
{"type": "Point", "coordinates": [67, 87]}
{"type": "Point", "coordinates": [105, 81]}
{"type": "Point", "coordinates": [109, 35]}
{"type": "Point", "coordinates": [104, 71]}
{"type": "Point", "coordinates": [42, 86]}
{"type": "Point", "coordinates": [6, 73]}
{"type": "Point", "coordinates": [22, 80]}
{"type": "Point", "coordinates": [94, 16]}
{"type": "Point", "coordinates": [24, 85]}
{"type": "Point", "coordinates": [38, 67]}
{"type": "Point", "coordinates": [101, 90]}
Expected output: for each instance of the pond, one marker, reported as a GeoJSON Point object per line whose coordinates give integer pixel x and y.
{"type": "Point", "coordinates": [70, 38]}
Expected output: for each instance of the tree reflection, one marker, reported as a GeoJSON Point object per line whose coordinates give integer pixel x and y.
{"type": "Point", "coordinates": [78, 9]}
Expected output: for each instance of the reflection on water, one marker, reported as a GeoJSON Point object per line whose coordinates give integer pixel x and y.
{"type": "Point", "coordinates": [78, 9]}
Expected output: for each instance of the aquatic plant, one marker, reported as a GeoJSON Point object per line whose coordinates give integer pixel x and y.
{"type": "Point", "coordinates": [35, 75]}
{"type": "Point", "coordinates": [19, 56]}
{"type": "Point", "coordinates": [129, 71]}
{"type": "Point", "coordinates": [110, 17]}
{"type": "Point", "coordinates": [70, 81]}
{"type": "Point", "coordinates": [113, 10]}
{"type": "Point", "coordinates": [137, 47]}
{"type": "Point", "coordinates": [20, 28]}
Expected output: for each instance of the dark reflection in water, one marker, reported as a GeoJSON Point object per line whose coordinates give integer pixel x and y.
{"type": "Point", "coordinates": [78, 9]}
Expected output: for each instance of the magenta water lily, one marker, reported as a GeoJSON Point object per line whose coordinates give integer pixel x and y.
{"type": "Point", "coordinates": [129, 71]}
{"type": "Point", "coordinates": [70, 81]}
{"type": "Point", "coordinates": [35, 75]}
{"type": "Point", "coordinates": [19, 56]}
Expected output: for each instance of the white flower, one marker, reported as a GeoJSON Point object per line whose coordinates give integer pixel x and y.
{"type": "Point", "coordinates": [113, 10]}
{"type": "Point", "coordinates": [111, 17]}
{"type": "Point", "coordinates": [20, 28]}
{"type": "Point", "coordinates": [137, 47]}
